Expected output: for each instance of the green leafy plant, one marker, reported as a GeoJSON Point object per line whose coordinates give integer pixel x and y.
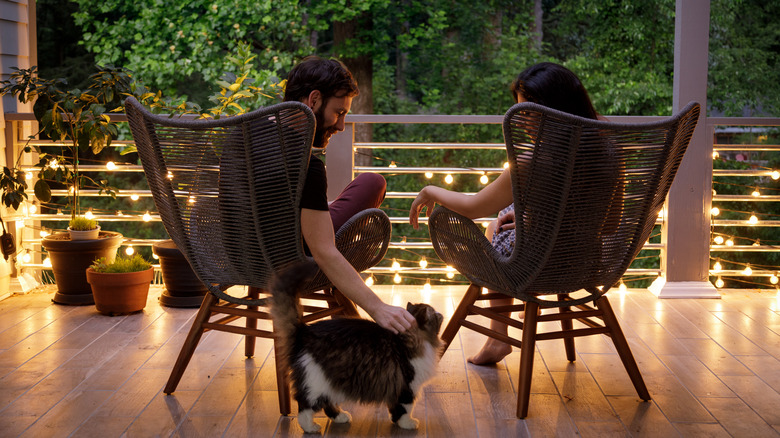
{"type": "Point", "coordinates": [121, 264]}
{"type": "Point", "coordinates": [80, 223]}
{"type": "Point", "coordinates": [78, 118]}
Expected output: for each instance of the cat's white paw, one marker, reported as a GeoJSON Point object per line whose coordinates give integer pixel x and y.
{"type": "Point", "coordinates": [306, 421]}
{"type": "Point", "coordinates": [343, 417]}
{"type": "Point", "coordinates": [407, 422]}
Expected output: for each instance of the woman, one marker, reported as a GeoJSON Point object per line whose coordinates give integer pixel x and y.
{"type": "Point", "coordinates": [547, 84]}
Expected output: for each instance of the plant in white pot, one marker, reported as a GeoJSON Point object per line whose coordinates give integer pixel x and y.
{"type": "Point", "coordinates": [120, 286]}
{"type": "Point", "coordinates": [81, 228]}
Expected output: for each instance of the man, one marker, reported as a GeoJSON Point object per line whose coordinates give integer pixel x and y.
{"type": "Point", "coordinates": [327, 87]}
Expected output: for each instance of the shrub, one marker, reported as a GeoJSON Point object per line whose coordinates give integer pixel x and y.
{"type": "Point", "coordinates": [121, 264]}
{"type": "Point", "coordinates": [80, 223]}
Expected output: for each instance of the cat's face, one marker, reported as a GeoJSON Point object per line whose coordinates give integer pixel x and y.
{"type": "Point", "coordinates": [428, 319]}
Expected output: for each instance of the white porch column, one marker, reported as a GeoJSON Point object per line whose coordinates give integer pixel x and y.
{"type": "Point", "coordinates": [686, 233]}
{"type": "Point", "coordinates": [340, 160]}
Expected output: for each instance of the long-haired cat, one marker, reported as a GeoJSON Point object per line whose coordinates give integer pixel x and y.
{"type": "Point", "coordinates": [336, 360]}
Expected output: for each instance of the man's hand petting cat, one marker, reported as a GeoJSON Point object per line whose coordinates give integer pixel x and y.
{"type": "Point", "coordinates": [394, 318]}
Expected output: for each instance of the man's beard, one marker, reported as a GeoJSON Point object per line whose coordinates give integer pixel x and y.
{"type": "Point", "coordinates": [322, 133]}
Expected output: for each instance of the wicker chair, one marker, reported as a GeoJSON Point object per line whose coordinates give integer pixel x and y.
{"type": "Point", "coordinates": [228, 191]}
{"type": "Point", "coordinates": [587, 195]}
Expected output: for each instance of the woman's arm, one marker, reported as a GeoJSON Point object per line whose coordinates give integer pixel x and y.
{"type": "Point", "coordinates": [487, 201]}
{"type": "Point", "coordinates": [317, 230]}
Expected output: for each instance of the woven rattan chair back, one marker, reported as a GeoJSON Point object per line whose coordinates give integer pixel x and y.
{"type": "Point", "coordinates": [227, 190]}
{"type": "Point", "coordinates": [586, 193]}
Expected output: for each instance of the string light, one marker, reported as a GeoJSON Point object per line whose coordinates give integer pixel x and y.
{"type": "Point", "coordinates": [485, 224]}
{"type": "Point", "coordinates": [170, 175]}
{"type": "Point", "coordinates": [448, 179]}
{"type": "Point", "coordinates": [506, 164]}
{"type": "Point", "coordinates": [130, 250]}
{"type": "Point", "coordinates": [370, 281]}
{"type": "Point", "coordinates": [110, 165]}
{"type": "Point", "coordinates": [753, 220]}
{"type": "Point", "coordinates": [450, 272]}
{"type": "Point", "coordinates": [395, 266]}
{"type": "Point", "coordinates": [747, 271]}
{"type": "Point", "coordinates": [718, 240]}
{"type": "Point", "coordinates": [714, 211]}
{"type": "Point", "coordinates": [775, 175]}
{"type": "Point", "coordinates": [719, 283]}
{"type": "Point", "coordinates": [427, 286]}
{"type": "Point", "coordinates": [155, 256]}
{"type": "Point", "coordinates": [423, 263]}
{"type": "Point", "coordinates": [54, 164]}
{"type": "Point", "coordinates": [717, 267]}
{"type": "Point", "coordinates": [44, 233]}
{"type": "Point", "coordinates": [26, 257]}
{"type": "Point", "coordinates": [147, 217]}
{"type": "Point", "coordinates": [729, 242]}
{"type": "Point", "coordinates": [134, 196]}
{"type": "Point", "coordinates": [32, 209]}
{"type": "Point", "coordinates": [755, 193]}
{"type": "Point", "coordinates": [47, 262]}
{"type": "Point", "coordinates": [715, 155]}
{"type": "Point", "coordinates": [622, 287]}
{"type": "Point", "coordinates": [392, 165]}
{"type": "Point", "coordinates": [429, 175]}
{"type": "Point", "coordinates": [28, 175]}
{"type": "Point", "coordinates": [89, 214]}
{"type": "Point", "coordinates": [773, 278]}
{"type": "Point", "coordinates": [484, 178]}
{"type": "Point", "coordinates": [191, 200]}
{"type": "Point", "coordinates": [397, 279]}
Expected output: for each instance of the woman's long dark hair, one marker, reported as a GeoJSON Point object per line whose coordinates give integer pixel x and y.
{"type": "Point", "coordinates": [554, 86]}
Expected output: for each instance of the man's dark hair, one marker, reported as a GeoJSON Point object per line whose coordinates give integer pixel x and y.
{"type": "Point", "coordinates": [330, 76]}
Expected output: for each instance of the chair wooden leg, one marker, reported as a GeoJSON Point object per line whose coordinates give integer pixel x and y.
{"type": "Point", "coordinates": [621, 345]}
{"type": "Point", "coordinates": [527, 351]}
{"type": "Point", "coordinates": [461, 312]}
{"type": "Point", "coordinates": [567, 325]}
{"type": "Point", "coordinates": [251, 323]}
{"type": "Point", "coordinates": [282, 379]}
{"type": "Point", "coordinates": [188, 348]}
{"type": "Point", "coordinates": [347, 305]}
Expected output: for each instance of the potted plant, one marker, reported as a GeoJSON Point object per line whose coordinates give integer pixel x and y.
{"type": "Point", "coordinates": [80, 120]}
{"type": "Point", "coordinates": [120, 286]}
{"type": "Point", "coordinates": [81, 228]}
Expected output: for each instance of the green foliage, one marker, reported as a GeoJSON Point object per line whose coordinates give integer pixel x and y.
{"type": "Point", "coordinates": [121, 264]}
{"type": "Point", "coordinates": [80, 223]}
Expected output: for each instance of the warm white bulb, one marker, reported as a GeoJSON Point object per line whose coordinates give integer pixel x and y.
{"type": "Point", "coordinates": [714, 211]}
{"type": "Point", "coordinates": [110, 165]}
{"type": "Point", "coordinates": [397, 279]}
{"type": "Point", "coordinates": [715, 155]}
{"type": "Point", "coordinates": [622, 287]}
{"type": "Point", "coordinates": [448, 179]}
{"type": "Point", "coordinates": [370, 281]}
{"type": "Point", "coordinates": [718, 240]}
{"type": "Point", "coordinates": [719, 283]}
{"type": "Point", "coordinates": [155, 256]}
{"type": "Point", "coordinates": [485, 224]}
{"type": "Point", "coordinates": [775, 175]}
{"type": "Point", "coordinates": [129, 250]}
{"type": "Point", "coordinates": [170, 175]}
{"type": "Point", "coordinates": [54, 164]}
{"type": "Point", "coordinates": [47, 262]}
{"type": "Point", "coordinates": [32, 209]}
{"type": "Point", "coordinates": [392, 165]}
{"type": "Point", "coordinates": [147, 217]}
{"type": "Point", "coordinates": [773, 279]}
{"type": "Point", "coordinates": [89, 215]}
{"type": "Point", "coordinates": [753, 220]}
{"type": "Point", "coordinates": [427, 286]}
{"type": "Point", "coordinates": [747, 271]}
{"type": "Point", "coordinates": [729, 242]}
{"type": "Point", "coordinates": [450, 275]}
{"type": "Point", "coordinates": [191, 200]}
{"type": "Point", "coordinates": [755, 193]}
{"type": "Point", "coordinates": [506, 164]}
{"type": "Point", "coordinates": [429, 175]}
{"type": "Point", "coordinates": [717, 267]}
{"type": "Point", "coordinates": [27, 257]}
{"type": "Point", "coordinates": [44, 233]}
{"type": "Point", "coordinates": [483, 179]}
{"type": "Point", "coordinates": [134, 197]}
{"type": "Point", "coordinates": [396, 266]}
{"type": "Point", "coordinates": [450, 271]}
{"type": "Point", "coordinates": [423, 263]}
{"type": "Point", "coordinates": [28, 175]}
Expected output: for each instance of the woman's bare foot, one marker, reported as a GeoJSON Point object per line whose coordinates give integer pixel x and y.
{"type": "Point", "coordinates": [491, 353]}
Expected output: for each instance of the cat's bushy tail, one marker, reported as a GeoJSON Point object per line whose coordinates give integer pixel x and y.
{"type": "Point", "coordinates": [284, 290]}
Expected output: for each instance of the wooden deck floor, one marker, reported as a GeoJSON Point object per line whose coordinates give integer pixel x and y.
{"type": "Point", "coordinates": [712, 368]}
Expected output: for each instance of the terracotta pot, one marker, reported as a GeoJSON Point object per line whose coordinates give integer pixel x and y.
{"type": "Point", "coordinates": [70, 260]}
{"type": "Point", "coordinates": [182, 286]}
{"type": "Point", "coordinates": [118, 293]}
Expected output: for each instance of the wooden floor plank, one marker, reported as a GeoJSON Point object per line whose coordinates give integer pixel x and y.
{"type": "Point", "coordinates": [712, 368]}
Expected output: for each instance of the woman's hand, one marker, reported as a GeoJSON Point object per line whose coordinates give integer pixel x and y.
{"type": "Point", "coordinates": [422, 201]}
{"type": "Point", "coordinates": [505, 221]}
